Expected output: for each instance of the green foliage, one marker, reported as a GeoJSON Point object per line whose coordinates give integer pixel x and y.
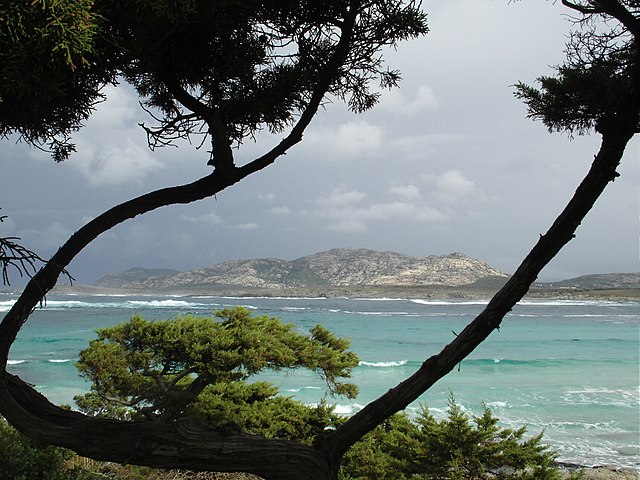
{"type": "Point", "coordinates": [587, 90]}
{"type": "Point", "coordinates": [191, 365]}
{"type": "Point", "coordinates": [49, 80]}
{"type": "Point", "coordinates": [387, 453]}
{"type": "Point", "coordinates": [23, 459]}
{"type": "Point", "coordinates": [579, 98]}
{"type": "Point", "coordinates": [256, 409]}
{"type": "Point", "coordinates": [224, 68]}
{"type": "Point", "coordinates": [455, 448]}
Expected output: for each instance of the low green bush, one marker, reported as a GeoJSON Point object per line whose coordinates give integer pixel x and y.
{"type": "Point", "coordinates": [456, 448]}
{"type": "Point", "coordinates": [24, 459]}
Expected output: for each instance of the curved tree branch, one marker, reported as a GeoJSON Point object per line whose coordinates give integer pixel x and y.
{"type": "Point", "coordinates": [603, 171]}
{"type": "Point", "coordinates": [620, 13]}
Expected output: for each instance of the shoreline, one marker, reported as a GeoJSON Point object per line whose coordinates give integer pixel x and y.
{"type": "Point", "coordinates": [601, 472]}
{"type": "Point", "coordinates": [367, 292]}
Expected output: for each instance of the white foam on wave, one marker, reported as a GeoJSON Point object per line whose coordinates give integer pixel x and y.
{"type": "Point", "coordinates": [348, 409]}
{"type": "Point", "coordinates": [60, 360]}
{"type": "Point", "coordinates": [381, 299]}
{"type": "Point", "coordinates": [128, 304]}
{"type": "Point", "coordinates": [447, 302]}
{"type": "Point", "coordinates": [603, 396]}
{"type": "Point", "coordinates": [165, 303]}
{"type": "Point", "coordinates": [498, 404]}
{"type": "Point", "coordinates": [73, 304]}
{"type": "Point", "coordinates": [6, 305]}
{"type": "Point", "coordinates": [299, 389]}
{"type": "Point", "coordinates": [15, 362]}
{"type": "Point", "coordinates": [572, 303]}
{"type": "Point", "coordinates": [384, 364]}
{"type": "Point", "coordinates": [381, 314]}
{"type": "Point", "coordinates": [272, 298]}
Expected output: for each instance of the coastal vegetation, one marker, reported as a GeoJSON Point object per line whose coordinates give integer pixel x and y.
{"type": "Point", "coordinates": [454, 448]}
{"type": "Point", "coordinates": [193, 366]}
{"type": "Point", "coordinates": [266, 65]}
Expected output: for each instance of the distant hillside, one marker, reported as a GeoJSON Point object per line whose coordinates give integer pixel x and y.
{"type": "Point", "coordinates": [334, 268]}
{"type": "Point", "coordinates": [133, 275]}
{"type": "Point", "coordinates": [600, 281]}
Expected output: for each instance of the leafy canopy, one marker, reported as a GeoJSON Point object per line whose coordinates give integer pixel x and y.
{"type": "Point", "coordinates": [600, 68]}
{"type": "Point", "coordinates": [163, 370]}
{"type": "Point", "coordinates": [50, 73]}
{"type": "Point", "coordinates": [223, 69]}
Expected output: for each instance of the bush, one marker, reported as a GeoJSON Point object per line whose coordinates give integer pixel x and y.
{"type": "Point", "coordinates": [455, 448]}
{"type": "Point", "coordinates": [24, 459]}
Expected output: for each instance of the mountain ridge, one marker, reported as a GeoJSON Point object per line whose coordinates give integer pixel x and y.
{"type": "Point", "coordinates": [338, 267]}
{"type": "Point", "coordinates": [355, 271]}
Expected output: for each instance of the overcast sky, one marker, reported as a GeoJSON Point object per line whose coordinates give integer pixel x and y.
{"type": "Point", "coordinates": [448, 162]}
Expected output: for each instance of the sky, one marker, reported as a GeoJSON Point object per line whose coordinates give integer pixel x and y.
{"type": "Point", "coordinates": [446, 163]}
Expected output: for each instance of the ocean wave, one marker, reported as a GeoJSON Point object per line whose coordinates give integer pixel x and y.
{"type": "Point", "coordinates": [602, 396]}
{"type": "Point", "coordinates": [270, 298]}
{"type": "Point", "coordinates": [348, 409]}
{"type": "Point", "coordinates": [399, 363]}
{"type": "Point", "coordinates": [6, 305]}
{"type": "Point", "coordinates": [381, 299]}
{"type": "Point", "coordinates": [166, 303]}
{"type": "Point", "coordinates": [50, 305]}
{"type": "Point", "coordinates": [300, 389]}
{"type": "Point", "coordinates": [379, 314]}
{"type": "Point", "coordinates": [537, 362]}
{"type": "Point", "coordinates": [16, 362]}
{"type": "Point", "coordinates": [61, 360]}
{"type": "Point", "coordinates": [449, 302]}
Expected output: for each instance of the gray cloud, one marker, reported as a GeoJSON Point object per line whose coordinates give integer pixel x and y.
{"type": "Point", "coordinates": [449, 162]}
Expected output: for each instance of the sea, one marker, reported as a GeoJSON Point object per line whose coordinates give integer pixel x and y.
{"type": "Point", "coordinates": [570, 368]}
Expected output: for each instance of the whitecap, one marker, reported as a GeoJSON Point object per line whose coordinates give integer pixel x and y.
{"type": "Point", "coordinates": [6, 305]}
{"type": "Point", "coordinates": [15, 362]}
{"type": "Point", "coordinates": [497, 404]}
{"type": "Point", "coordinates": [61, 360]}
{"type": "Point", "coordinates": [347, 409]}
{"type": "Point", "coordinates": [299, 389]}
{"type": "Point", "coordinates": [446, 302]}
{"type": "Point", "coordinates": [164, 303]}
{"type": "Point", "coordinates": [384, 364]}
{"type": "Point", "coordinates": [381, 299]}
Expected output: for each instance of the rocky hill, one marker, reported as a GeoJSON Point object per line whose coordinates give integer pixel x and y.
{"type": "Point", "coordinates": [334, 268]}
{"type": "Point", "coordinates": [133, 275]}
{"type": "Point", "coordinates": [599, 281]}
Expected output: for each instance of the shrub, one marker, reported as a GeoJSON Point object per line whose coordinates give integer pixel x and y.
{"type": "Point", "coordinates": [455, 448]}
{"type": "Point", "coordinates": [24, 459]}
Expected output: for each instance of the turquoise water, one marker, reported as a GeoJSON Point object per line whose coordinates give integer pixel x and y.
{"type": "Point", "coordinates": [570, 368]}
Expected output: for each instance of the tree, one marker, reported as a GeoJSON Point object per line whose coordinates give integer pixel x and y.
{"type": "Point", "coordinates": [161, 371]}
{"type": "Point", "coordinates": [334, 49]}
